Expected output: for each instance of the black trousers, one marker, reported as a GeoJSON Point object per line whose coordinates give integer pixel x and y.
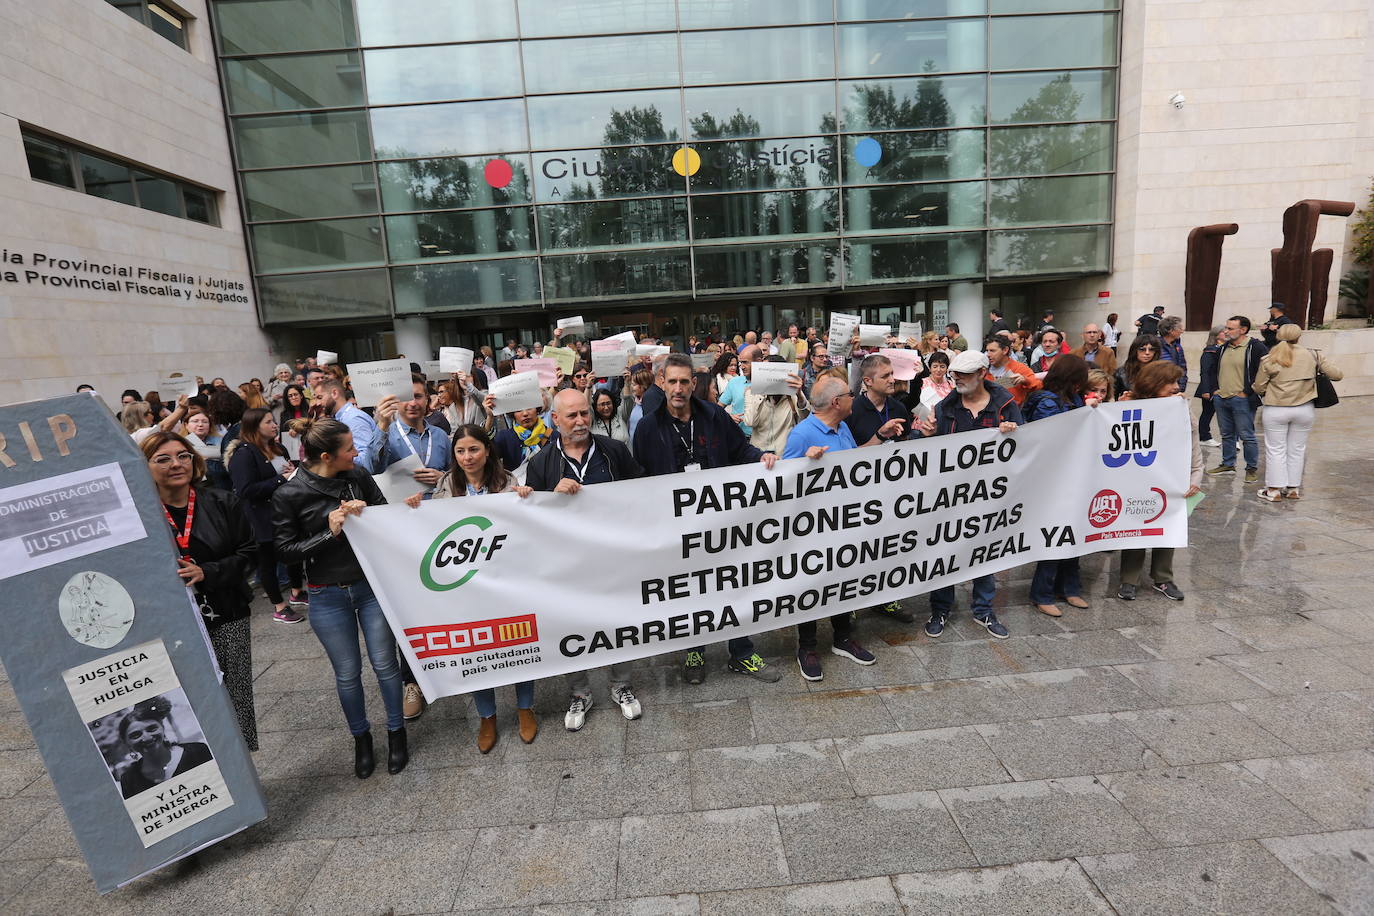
{"type": "Point", "coordinates": [842, 624]}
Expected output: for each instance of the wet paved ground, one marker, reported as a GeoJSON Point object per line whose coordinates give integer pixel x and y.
{"type": "Point", "coordinates": [1213, 756]}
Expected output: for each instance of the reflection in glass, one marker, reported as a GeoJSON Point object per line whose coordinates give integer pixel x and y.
{"type": "Point", "coordinates": [915, 207]}
{"type": "Point", "coordinates": [1050, 149]}
{"type": "Point", "coordinates": [758, 54]}
{"type": "Point", "coordinates": [453, 234]}
{"type": "Point", "coordinates": [302, 139]}
{"type": "Point", "coordinates": [262, 26]}
{"type": "Point", "coordinates": [441, 184]}
{"type": "Point", "coordinates": [541, 18]}
{"type": "Point", "coordinates": [777, 213]}
{"type": "Point", "coordinates": [156, 193]}
{"type": "Point", "coordinates": [610, 275]}
{"type": "Point", "coordinates": [443, 130]}
{"type": "Point", "coordinates": [342, 190]}
{"type": "Point", "coordinates": [49, 161]}
{"type": "Point", "coordinates": [712, 14]}
{"type": "Point", "coordinates": [200, 205]}
{"type": "Point", "coordinates": [932, 101]}
{"type": "Point", "coordinates": [759, 266]}
{"type": "Point", "coordinates": [603, 62]}
{"type": "Point", "coordinates": [761, 164]}
{"type": "Point", "coordinates": [926, 257]}
{"type": "Point", "coordinates": [1031, 42]}
{"type": "Point", "coordinates": [613, 223]}
{"type": "Point", "coordinates": [293, 82]}
{"type": "Point", "coordinates": [928, 155]}
{"type": "Point", "coordinates": [315, 297]}
{"type": "Point", "coordinates": [1080, 249]}
{"type": "Point", "coordinates": [1081, 95]}
{"type": "Point", "coordinates": [103, 178]}
{"type": "Point", "coordinates": [291, 246]}
{"type": "Point", "coordinates": [930, 46]}
{"type": "Point", "coordinates": [591, 174]}
{"type": "Point", "coordinates": [609, 118]}
{"type": "Point", "coordinates": [1036, 201]}
{"type": "Point", "coordinates": [465, 285]}
{"type": "Point", "coordinates": [1051, 6]}
{"type": "Point", "coordinates": [785, 110]}
{"type": "Point", "coordinates": [443, 72]}
{"type": "Point", "coordinates": [405, 22]}
{"type": "Point", "coordinates": [908, 9]}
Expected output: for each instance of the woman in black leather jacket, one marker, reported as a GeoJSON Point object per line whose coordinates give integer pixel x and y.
{"type": "Point", "coordinates": [258, 465]}
{"type": "Point", "coordinates": [308, 516]}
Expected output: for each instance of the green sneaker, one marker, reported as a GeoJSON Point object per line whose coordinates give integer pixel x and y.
{"type": "Point", "coordinates": [1252, 475]}
{"type": "Point", "coordinates": [694, 668]}
{"type": "Point", "coordinates": [755, 666]}
{"type": "Point", "coordinates": [894, 610]}
{"type": "Point", "coordinates": [1221, 469]}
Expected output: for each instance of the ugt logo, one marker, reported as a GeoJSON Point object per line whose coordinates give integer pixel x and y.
{"type": "Point", "coordinates": [1133, 437]}
{"type": "Point", "coordinates": [454, 548]}
{"type": "Point", "coordinates": [1104, 509]}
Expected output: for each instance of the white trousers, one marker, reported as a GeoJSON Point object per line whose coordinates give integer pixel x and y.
{"type": "Point", "coordinates": [1285, 443]}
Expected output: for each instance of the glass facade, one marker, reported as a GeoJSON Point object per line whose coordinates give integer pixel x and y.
{"type": "Point", "coordinates": [552, 152]}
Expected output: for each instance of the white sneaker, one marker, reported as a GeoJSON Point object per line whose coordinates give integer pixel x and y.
{"type": "Point", "coordinates": [1209, 443]}
{"type": "Point", "coordinates": [576, 716]}
{"type": "Point", "coordinates": [629, 706]}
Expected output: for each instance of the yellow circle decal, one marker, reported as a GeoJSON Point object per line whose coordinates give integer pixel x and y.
{"type": "Point", "coordinates": [686, 161]}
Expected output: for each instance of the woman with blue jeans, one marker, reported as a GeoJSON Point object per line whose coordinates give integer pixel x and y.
{"type": "Point", "coordinates": [309, 512]}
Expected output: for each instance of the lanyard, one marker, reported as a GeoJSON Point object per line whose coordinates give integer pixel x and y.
{"type": "Point", "coordinates": [184, 537]}
{"type": "Point", "coordinates": [581, 471]}
{"type": "Point", "coordinates": [687, 443]}
{"type": "Point", "coordinates": [426, 438]}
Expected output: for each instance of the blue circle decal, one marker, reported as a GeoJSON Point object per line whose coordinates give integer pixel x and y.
{"type": "Point", "coordinates": [868, 152]}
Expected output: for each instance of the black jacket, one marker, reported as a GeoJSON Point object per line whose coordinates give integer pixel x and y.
{"type": "Point", "coordinates": [300, 523]}
{"type": "Point", "coordinates": [255, 480]}
{"type": "Point", "coordinates": [222, 544]}
{"type": "Point", "coordinates": [999, 324]}
{"type": "Point", "coordinates": [724, 441]}
{"type": "Point", "coordinates": [546, 467]}
{"type": "Point", "coordinates": [951, 417]}
{"type": "Point", "coordinates": [864, 421]}
{"type": "Point", "coordinates": [1271, 337]}
{"type": "Point", "coordinates": [1208, 365]}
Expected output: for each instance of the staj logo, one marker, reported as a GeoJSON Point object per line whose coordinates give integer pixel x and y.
{"type": "Point", "coordinates": [477, 636]}
{"type": "Point", "coordinates": [454, 549]}
{"type": "Point", "coordinates": [1131, 438]}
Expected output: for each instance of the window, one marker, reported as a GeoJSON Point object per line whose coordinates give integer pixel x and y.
{"type": "Point", "coordinates": [55, 162]}
{"type": "Point", "coordinates": [162, 19]}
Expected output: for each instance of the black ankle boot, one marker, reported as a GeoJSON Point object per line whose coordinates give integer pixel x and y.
{"type": "Point", "coordinates": [363, 763]}
{"type": "Point", "coordinates": [397, 754]}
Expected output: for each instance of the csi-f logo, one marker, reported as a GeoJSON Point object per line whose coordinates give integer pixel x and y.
{"type": "Point", "coordinates": [1104, 508]}
{"type": "Point", "coordinates": [448, 563]}
{"type": "Point", "coordinates": [1132, 437]}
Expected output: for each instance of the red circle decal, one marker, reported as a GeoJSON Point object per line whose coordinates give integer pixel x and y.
{"type": "Point", "coordinates": [498, 173]}
{"type": "Point", "coordinates": [1104, 509]}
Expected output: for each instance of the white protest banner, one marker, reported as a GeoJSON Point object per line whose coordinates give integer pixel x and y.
{"type": "Point", "coordinates": [173, 385]}
{"type": "Point", "coordinates": [326, 357]}
{"type": "Point", "coordinates": [842, 328]}
{"type": "Point", "coordinates": [375, 380]}
{"type": "Point", "coordinates": [651, 350]}
{"type": "Point", "coordinates": [455, 359]}
{"type": "Point", "coordinates": [398, 480]}
{"type": "Point", "coordinates": [735, 551]}
{"type": "Point", "coordinates": [572, 325]}
{"type": "Point", "coordinates": [627, 337]}
{"type": "Point", "coordinates": [940, 317]}
{"type": "Point", "coordinates": [771, 378]}
{"type": "Point", "coordinates": [873, 335]}
{"type": "Point", "coordinates": [909, 330]}
{"type": "Point", "coordinates": [431, 369]}
{"type": "Point", "coordinates": [703, 360]}
{"type": "Point", "coordinates": [906, 364]}
{"type": "Point", "coordinates": [517, 391]}
{"type": "Point", "coordinates": [545, 368]}
{"type": "Point", "coordinates": [609, 358]}
{"type": "Point", "coordinates": [565, 357]}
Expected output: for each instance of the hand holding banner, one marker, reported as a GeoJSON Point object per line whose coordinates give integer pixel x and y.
{"type": "Point", "coordinates": [175, 384]}
{"type": "Point", "coordinates": [873, 335]}
{"type": "Point", "coordinates": [573, 325]}
{"type": "Point", "coordinates": [375, 380]}
{"type": "Point", "coordinates": [609, 358]}
{"type": "Point", "coordinates": [565, 357]}
{"type": "Point", "coordinates": [326, 357]}
{"type": "Point", "coordinates": [906, 364]}
{"type": "Point", "coordinates": [546, 368]}
{"type": "Point", "coordinates": [455, 359]}
{"type": "Point", "coordinates": [519, 391]}
{"type": "Point", "coordinates": [909, 330]}
{"type": "Point", "coordinates": [771, 378]}
{"type": "Point", "coordinates": [842, 328]}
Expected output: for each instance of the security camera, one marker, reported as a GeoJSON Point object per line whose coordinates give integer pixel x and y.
{"type": "Point", "coordinates": [1177, 99]}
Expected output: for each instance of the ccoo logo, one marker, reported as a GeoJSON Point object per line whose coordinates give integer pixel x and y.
{"type": "Point", "coordinates": [443, 566]}
{"type": "Point", "coordinates": [1132, 437]}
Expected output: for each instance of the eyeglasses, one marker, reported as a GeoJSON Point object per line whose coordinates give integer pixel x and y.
{"type": "Point", "coordinates": [163, 461]}
{"type": "Point", "coordinates": [579, 375]}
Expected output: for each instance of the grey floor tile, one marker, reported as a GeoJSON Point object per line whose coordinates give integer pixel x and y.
{"type": "Point", "coordinates": [530, 864]}
{"type": "Point", "coordinates": [831, 714]}
{"type": "Point", "coordinates": [1357, 623]}
{"type": "Point", "coordinates": [18, 769]}
{"type": "Point", "coordinates": [603, 735]}
{"type": "Point", "coordinates": [1097, 647]}
{"type": "Point", "coordinates": [14, 876]}
{"type": "Point", "coordinates": [912, 761]}
{"type": "Point", "coordinates": [767, 774]}
{"type": "Point", "coordinates": [1310, 722]}
{"type": "Point", "coordinates": [1297, 670]}
{"type": "Point", "coordinates": [50, 838]}
{"type": "Point", "coordinates": [1210, 803]}
{"type": "Point", "coordinates": [981, 658]}
{"type": "Point", "coordinates": [1222, 878]}
{"type": "Point", "coordinates": [895, 665]}
{"type": "Point", "coordinates": [1359, 656]}
{"type": "Point", "coordinates": [1191, 680]}
{"type": "Point", "coordinates": [411, 873]}
{"type": "Point", "coordinates": [870, 896]}
{"type": "Point", "coordinates": [1272, 632]}
{"type": "Point", "coordinates": [1057, 887]}
{"type": "Point", "coordinates": [19, 815]}
{"type": "Point", "coordinates": [745, 850]}
{"type": "Point", "coordinates": [681, 727]}
{"type": "Point", "coordinates": [1338, 866]}
{"type": "Point", "coordinates": [1336, 788]}
{"type": "Point", "coordinates": [941, 704]}
{"type": "Point", "coordinates": [526, 792]}
{"type": "Point", "coordinates": [1067, 746]}
{"type": "Point", "coordinates": [1206, 733]}
{"type": "Point", "coordinates": [866, 837]}
{"type": "Point", "coordinates": [1184, 640]}
{"type": "Point", "coordinates": [614, 787]}
{"type": "Point", "coordinates": [1076, 691]}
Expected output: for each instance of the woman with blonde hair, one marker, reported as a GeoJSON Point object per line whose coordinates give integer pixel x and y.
{"type": "Point", "coordinates": [1287, 381]}
{"type": "Point", "coordinates": [252, 396]}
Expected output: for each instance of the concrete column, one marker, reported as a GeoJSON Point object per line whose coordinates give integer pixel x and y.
{"type": "Point", "coordinates": [966, 310]}
{"type": "Point", "coordinates": [412, 338]}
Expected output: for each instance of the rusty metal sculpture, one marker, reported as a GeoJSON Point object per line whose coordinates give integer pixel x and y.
{"type": "Point", "coordinates": [1202, 273]}
{"type": "Point", "coordinates": [1301, 276]}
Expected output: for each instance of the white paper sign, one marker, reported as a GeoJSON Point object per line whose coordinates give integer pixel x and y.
{"type": "Point", "coordinates": [909, 330]}
{"type": "Point", "coordinates": [375, 380]}
{"type": "Point", "coordinates": [941, 315]}
{"type": "Point", "coordinates": [842, 329]}
{"type": "Point", "coordinates": [573, 325]}
{"type": "Point", "coordinates": [771, 378]}
{"type": "Point", "coordinates": [174, 384]}
{"type": "Point", "coordinates": [398, 480]}
{"type": "Point", "coordinates": [873, 335]}
{"type": "Point", "coordinates": [326, 357]}
{"type": "Point", "coordinates": [609, 358]}
{"type": "Point", "coordinates": [64, 517]}
{"type": "Point", "coordinates": [455, 359]}
{"type": "Point", "coordinates": [703, 360]}
{"type": "Point", "coordinates": [649, 350]}
{"type": "Point", "coordinates": [627, 337]}
{"type": "Point", "coordinates": [546, 368]}
{"type": "Point", "coordinates": [518, 391]}
{"type": "Point", "coordinates": [905, 363]}
{"type": "Point", "coordinates": [203, 450]}
{"type": "Point", "coordinates": [430, 368]}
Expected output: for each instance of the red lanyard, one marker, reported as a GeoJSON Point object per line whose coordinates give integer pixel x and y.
{"type": "Point", "coordinates": [184, 537]}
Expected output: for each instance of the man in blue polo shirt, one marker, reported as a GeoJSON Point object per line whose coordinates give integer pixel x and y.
{"type": "Point", "coordinates": [825, 431]}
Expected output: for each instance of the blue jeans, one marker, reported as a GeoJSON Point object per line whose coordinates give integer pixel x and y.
{"type": "Point", "coordinates": [486, 699]}
{"type": "Point", "coordinates": [336, 613]}
{"type": "Point", "coordinates": [984, 588]}
{"type": "Point", "coordinates": [1054, 578]}
{"type": "Point", "coordinates": [1237, 418]}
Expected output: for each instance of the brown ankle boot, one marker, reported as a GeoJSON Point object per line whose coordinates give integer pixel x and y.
{"type": "Point", "coordinates": [486, 734]}
{"type": "Point", "coordinates": [529, 725]}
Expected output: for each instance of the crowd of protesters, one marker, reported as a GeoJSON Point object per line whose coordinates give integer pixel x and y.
{"type": "Point", "coordinates": [261, 479]}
